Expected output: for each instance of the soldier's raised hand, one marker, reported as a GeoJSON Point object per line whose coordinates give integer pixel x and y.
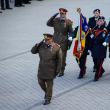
{"type": "Point", "coordinates": [55, 15]}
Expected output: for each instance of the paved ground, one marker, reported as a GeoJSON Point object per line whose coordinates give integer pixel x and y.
{"type": "Point", "coordinates": [20, 29]}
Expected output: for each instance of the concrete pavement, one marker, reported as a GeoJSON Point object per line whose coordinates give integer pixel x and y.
{"type": "Point", "coordinates": [20, 29]}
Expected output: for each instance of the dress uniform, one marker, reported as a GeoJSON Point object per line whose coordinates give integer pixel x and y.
{"type": "Point", "coordinates": [107, 40]}
{"type": "Point", "coordinates": [49, 65]}
{"type": "Point", "coordinates": [97, 49]}
{"type": "Point", "coordinates": [92, 25]}
{"type": "Point", "coordinates": [92, 21]}
{"type": "Point", "coordinates": [62, 27]}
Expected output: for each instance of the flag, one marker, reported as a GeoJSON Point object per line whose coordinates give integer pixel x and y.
{"type": "Point", "coordinates": [80, 37]}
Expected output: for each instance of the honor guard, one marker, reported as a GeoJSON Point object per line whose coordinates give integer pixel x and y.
{"type": "Point", "coordinates": [50, 55]}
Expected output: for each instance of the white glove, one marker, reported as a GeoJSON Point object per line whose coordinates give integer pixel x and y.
{"type": "Point", "coordinates": [70, 38]}
{"type": "Point", "coordinates": [92, 35]}
{"type": "Point", "coordinates": [104, 44]}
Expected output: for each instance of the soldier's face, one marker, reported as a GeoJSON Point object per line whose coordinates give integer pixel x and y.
{"type": "Point", "coordinates": [62, 14]}
{"type": "Point", "coordinates": [96, 14]}
{"type": "Point", "coordinates": [48, 40]}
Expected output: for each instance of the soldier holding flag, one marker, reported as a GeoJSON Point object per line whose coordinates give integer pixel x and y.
{"type": "Point", "coordinates": [81, 46]}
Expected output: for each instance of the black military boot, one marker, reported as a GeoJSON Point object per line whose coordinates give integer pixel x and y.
{"type": "Point", "coordinates": [96, 77]}
{"type": "Point", "coordinates": [80, 76]}
{"type": "Point", "coordinates": [82, 73]}
{"type": "Point", "coordinates": [47, 101]}
{"type": "Point", "coordinates": [101, 74]}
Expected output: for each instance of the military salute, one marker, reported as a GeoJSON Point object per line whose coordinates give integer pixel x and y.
{"type": "Point", "coordinates": [49, 65]}
{"type": "Point", "coordinates": [62, 27]}
{"type": "Point", "coordinates": [52, 49]}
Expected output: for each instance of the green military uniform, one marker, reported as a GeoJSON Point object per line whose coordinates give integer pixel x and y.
{"type": "Point", "coordinates": [49, 65]}
{"type": "Point", "coordinates": [61, 31]}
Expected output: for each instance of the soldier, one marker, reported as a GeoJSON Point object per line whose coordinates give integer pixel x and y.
{"type": "Point", "coordinates": [107, 40]}
{"type": "Point", "coordinates": [97, 49]}
{"type": "Point", "coordinates": [83, 58]}
{"type": "Point", "coordinates": [92, 25]}
{"type": "Point", "coordinates": [62, 28]}
{"type": "Point", "coordinates": [93, 20]}
{"type": "Point", "coordinates": [49, 66]}
{"type": "Point", "coordinates": [5, 4]}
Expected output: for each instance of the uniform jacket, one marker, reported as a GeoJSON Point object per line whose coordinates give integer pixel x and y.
{"type": "Point", "coordinates": [97, 49]}
{"type": "Point", "coordinates": [50, 60]}
{"type": "Point", "coordinates": [61, 30]}
{"type": "Point", "coordinates": [92, 22]}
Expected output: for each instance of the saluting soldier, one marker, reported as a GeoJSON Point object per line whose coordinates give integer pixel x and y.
{"type": "Point", "coordinates": [62, 28]}
{"type": "Point", "coordinates": [49, 65]}
{"type": "Point", "coordinates": [98, 50]}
